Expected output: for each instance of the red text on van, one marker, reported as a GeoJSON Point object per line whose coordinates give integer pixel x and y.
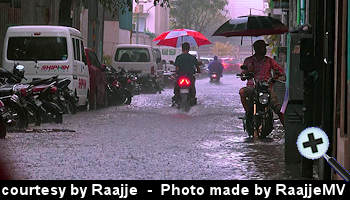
{"type": "Point", "coordinates": [82, 83]}
{"type": "Point", "coordinates": [54, 67]}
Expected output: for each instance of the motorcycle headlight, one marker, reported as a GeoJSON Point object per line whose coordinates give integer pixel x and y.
{"type": "Point", "coordinates": [264, 98]}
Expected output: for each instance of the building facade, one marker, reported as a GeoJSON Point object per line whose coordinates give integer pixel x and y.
{"type": "Point", "coordinates": [149, 21]}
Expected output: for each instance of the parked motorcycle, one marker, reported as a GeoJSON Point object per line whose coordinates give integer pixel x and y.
{"type": "Point", "coordinates": [259, 118]}
{"type": "Point", "coordinates": [116, 89]}
{"type": "Point", "coordinates": [133, 83]}
{"type": "Point", "coordinates": [14, 110]}
{"type": "Point", "coordinates": [65, 97]}
{"type": "Point", "coordinates": [3, 121]}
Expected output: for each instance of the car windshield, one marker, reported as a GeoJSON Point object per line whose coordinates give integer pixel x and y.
{"type": "Point", "coordinates": [205, 61]}
{"type": "Point", "coordinates": [132, 55]}
{"type": "Point", "coordinates": [37, 48]}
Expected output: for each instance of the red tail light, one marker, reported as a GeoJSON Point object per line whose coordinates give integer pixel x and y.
{"type": "Point", "coordinates": [129, 81]}
{"type": "Point", "coordinates": [152, 70]}
{"type": "Point", "coordinates": [53, 89]}
{"type": "Point", "coordinates": [213, 75]}
{"type": "Point", "coordinates": [184, 82]}
{"type": "Point", "coordinates": [23, 91]}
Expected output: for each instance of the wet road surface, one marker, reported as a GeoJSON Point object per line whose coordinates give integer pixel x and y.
{"type": "Point", "coordinates": [151, 140]}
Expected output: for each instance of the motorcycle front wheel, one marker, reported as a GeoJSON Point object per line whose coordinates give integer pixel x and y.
{"type": "Point", "coordinates": [266, 125]}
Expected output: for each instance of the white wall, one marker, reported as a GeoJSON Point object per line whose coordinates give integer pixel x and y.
{"type": "Point", "coordinates": [110, 37]}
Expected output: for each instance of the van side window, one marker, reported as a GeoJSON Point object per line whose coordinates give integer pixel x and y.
{"type": "Point", "coordinates": [82, 52]}
{"type": "Point", "coordinates": [78, 49]}
{"type": "Point", "coordinates": [74, 49]}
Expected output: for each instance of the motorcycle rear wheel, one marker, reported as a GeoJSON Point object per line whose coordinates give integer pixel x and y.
{"type": "Point", "coordinates": [184, 103]}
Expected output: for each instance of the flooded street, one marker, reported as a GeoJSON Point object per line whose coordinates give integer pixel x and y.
{"type": "Point", "coordinates": [151, 140]}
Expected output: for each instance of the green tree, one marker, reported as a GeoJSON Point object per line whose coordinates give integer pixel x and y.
{"type": "Point", "coordinates": [196, 14]}
{"type": "Point", "coordinates": [115, 5]}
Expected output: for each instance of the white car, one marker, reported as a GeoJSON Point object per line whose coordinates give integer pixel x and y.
{"type": "Point", "coordinates": [136, 58]}
{"type": "Point", "coordinates": [46, 51]}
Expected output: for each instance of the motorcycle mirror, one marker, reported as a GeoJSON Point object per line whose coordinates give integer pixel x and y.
{"type": "Point", "coordinates": [244, 67]}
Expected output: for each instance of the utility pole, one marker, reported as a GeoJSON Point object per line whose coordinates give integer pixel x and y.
{"type": "Point", "coordinates": [99, 49]}
{"type": "Point", "coordinates": [96, 27]}
{"type": "Point", "coordinates": [92, 15]}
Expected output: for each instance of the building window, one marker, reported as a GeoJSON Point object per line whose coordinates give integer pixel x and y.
{"type": "Point", "coordinates": [142, 24]}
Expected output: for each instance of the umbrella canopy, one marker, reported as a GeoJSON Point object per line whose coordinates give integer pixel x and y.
{"type": "Point", "coordinates": [251, 26]}
{"type": "Point", "coordinates": [176, 37]}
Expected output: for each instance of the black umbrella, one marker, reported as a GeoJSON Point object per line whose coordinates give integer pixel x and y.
{"type": "Point", "coordinates": [251, 26]}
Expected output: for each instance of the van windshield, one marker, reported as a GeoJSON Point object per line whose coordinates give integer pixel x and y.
{"type": "Point", "coordinates": [37, 48]}
{"type": "Point", "coordinates": [132, 55]}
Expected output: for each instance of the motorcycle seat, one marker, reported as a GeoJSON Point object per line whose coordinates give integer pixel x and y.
{"type": "Point", "coordinates": [6, 90]}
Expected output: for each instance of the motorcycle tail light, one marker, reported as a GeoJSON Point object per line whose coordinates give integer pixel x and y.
{"type": "Point", "coordinates": [129, 81]}
{"type": "Point", "coordinates": [23, 92]}
{"type": "Point", "coordinates": [53, 89]}
{"type": "Point", "coordinates": [213, 75]}
{"type": "Point", "coordinates": [184, 82]}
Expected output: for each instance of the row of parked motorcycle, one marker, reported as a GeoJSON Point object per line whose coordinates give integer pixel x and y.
{"type": "Point", "coordinates": [46, 100]}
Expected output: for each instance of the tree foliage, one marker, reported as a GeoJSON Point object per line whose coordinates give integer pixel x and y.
{"type": "Point", "coordinates": [122, 5]}
{"type": "Point", "coordinates": [195, 14]}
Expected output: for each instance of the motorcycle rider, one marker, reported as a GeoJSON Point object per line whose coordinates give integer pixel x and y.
{"type": "Point", "coordinates": [261, 65]}
{"type": "Point", "coordinates": [186, 65]}
{"type": "Point", "coordinates": [216, 66]}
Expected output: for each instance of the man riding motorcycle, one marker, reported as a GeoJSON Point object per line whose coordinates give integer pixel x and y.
{"type": "Point", "coordinates": [261, 65]}
{"type": "Point", "coordinates": [215, 66]}
{"type": "Point", "coordinates": [186, 65]}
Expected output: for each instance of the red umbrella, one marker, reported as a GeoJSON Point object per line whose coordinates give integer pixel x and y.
{"type": "Point", "coordinates": [176, 37]}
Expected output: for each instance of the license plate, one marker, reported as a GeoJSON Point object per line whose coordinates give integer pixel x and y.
{"type": "Point", "coordinates": [182, 91]}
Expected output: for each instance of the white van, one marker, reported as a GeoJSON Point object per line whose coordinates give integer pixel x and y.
{"type": "Point", "coordinates": [46, 51]}
{"type": "Point", "coordinates": [137, 58]}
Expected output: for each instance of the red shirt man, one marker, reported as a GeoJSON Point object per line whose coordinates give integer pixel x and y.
{"type": "Point", "coordinates": [261, 66]}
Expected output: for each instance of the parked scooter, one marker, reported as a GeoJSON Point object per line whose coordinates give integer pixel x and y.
{"type": "Point", "coordinates": [259, 118]}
